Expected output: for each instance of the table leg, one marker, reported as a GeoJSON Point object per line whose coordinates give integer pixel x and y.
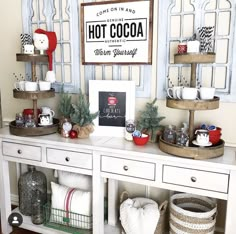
{"type": "Point", "coordinates": [112, 202]}
{"type": "Point", "coordinates": [231, 205]}
{"type": "Point", "coordinates": [5, 196]}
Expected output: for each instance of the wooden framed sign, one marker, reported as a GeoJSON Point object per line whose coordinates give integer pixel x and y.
{"type": "Point", "coordinates": [117, 32]}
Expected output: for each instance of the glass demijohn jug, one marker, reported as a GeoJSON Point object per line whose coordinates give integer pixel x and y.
{"type": "Point", "coordinates": [28, 183]}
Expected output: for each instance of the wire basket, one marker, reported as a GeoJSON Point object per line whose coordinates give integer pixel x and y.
{"type": "Point", "coordinates": [67, 221]}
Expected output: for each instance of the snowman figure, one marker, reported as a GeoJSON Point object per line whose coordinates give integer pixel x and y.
{"type": "Point", "coordinates": [45, 40]}
{"type": "Point", "coordinates": [40, 42]}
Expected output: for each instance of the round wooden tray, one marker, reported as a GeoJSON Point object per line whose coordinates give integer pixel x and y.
{"type": "Point", "coordinates": [33, 95]}
{"type": "Point", "coordinates": [194, 152]}
{"type": "Point", "coordinates": [38, 131]}
{"type": "Point", "coordinates": [32, 58]}
{"type": "Point", "coordinates": [194, 58]}
{"type": "Point", "coordinates": [193, 104]}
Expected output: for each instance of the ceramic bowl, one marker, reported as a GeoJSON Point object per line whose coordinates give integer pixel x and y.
{"type": "Point", "coordinates": [141, 140]}
{"type": "Point", "coordinates": [215, 135]}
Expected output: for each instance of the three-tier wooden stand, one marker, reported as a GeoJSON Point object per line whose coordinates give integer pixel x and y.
{"type": "Point", "coordinates": [34, 96]}
{"type": "Point", "coordinates": [192, 151]}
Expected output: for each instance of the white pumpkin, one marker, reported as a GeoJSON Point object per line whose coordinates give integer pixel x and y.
{"type": "Point", "coordinates": [139, 215]}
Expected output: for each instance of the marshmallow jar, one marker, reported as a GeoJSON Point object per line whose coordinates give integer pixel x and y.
{"type": "Point", "coordinates": [46, 41]}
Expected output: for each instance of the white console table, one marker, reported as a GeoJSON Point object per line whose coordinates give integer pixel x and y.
{"type": "Point", "coordinates": [117, 159]}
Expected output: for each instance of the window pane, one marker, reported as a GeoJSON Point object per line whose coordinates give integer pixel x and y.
{"type": "Point", "coordinates": [224, 4]}
{"type": "Point", "coordinates": [220, 77]}
{"type": "Point", "coordinates": [188, 25]}
{"type": "Point", "coordinates": [177, 7]}
{"type": "Point", "coordinates": [210, 19]}
{"type": "Point", "coordinates": [66, 50]}
{"type": "Point", "coordinates": [58, 73]}
{"type": "Point", "coordinates": [57, 54]}
{"type": "Point", "coordinates": [57, 6]}
{"type": "Point", "coordinates": [64, 13]}
{"type": "Point", "coordinates": [211, 5]}
{"type": "Point", "coordinates": [136, 75]}
{"type": "Point", "coordinates": [173, 76]}
{"type": "Point", "coordinates": [175, 26]}
{"type": "Point", "coordinates": [206, 80]}
{"type": "Point", "coordinates": [67, 71]}
{"type": "Point", "coordinates": [224, 23]}
{"type": "Point", "coordinates": [173, 50]}
{"type": "Point", "coordinates": [222, 51]}
{"type": "Point", "coordinates": [57, 30]}
{"type": "Point", "coordinates": [188, 6]}
{"type": "Point", "coordinates": [66, 31]}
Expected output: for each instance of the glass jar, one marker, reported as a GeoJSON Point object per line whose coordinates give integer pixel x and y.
{"type": "Point", "coordinates": [19, 120]}
{"type": "Point", "coordinates": [28, 183]}
{"type": "Point", "coordinates": [129, 129]}
{"type": "Point", "coordinates": [29, 121]}
{"type": "Point", "coordinates": [181, 137]}
{"type": "Point", "coordinates": [37, 207]}
{"type": "Point", "coordinates": [169, 134]}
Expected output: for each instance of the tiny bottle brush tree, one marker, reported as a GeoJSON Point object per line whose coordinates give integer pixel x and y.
{"type": "Point", "coordinates": [65, 105]}
{"type": "Point", "coordinates": [149, 121]}
{"type": "Point", "coordinates": [82, 117]}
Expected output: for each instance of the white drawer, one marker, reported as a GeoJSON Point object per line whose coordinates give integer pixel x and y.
{"type": "Point", "coordinates": [126, 167]}
{"type": "Point", "coordinates": [69, 158]}
{"type": "Point", "coordinates": [207, 180]}
{"type": "Point", "coordinates": [21, 151]}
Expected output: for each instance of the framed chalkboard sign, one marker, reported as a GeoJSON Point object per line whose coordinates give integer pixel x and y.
{"type": "Point", "coordinates": [117, 32]}
{"type": "Point", "coordinates": [115, 102]}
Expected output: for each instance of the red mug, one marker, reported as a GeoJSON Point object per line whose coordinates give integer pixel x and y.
{"type": "Point", "coordinates": [182, 48]}
{"type": "Point", "coordinates": [30, 111]}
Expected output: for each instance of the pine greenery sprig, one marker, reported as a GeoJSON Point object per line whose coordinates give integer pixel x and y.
{"type": "Point", "coordinates": [65, 105]}
{"type": "Point", "coordinates": [149, 120]}
{"type": "Point", "coordinates": [81, 114]}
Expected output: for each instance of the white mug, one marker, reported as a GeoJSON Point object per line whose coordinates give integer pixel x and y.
{"type": "Point", "coordinates": [206, 93]}
{"type": "Point", "coordinates": [45, 119]}
{"type": "Point", "coordinates": [19, 85]}
{"type": "Point", "coordinates": [28, 49]}
{"type": "Point", "coordinates": [202, 136]}
{"type": "Point", "coordinates": [31, 86]}
{"type": "Point", "coordinates": [175, 92]}
{"type": "Point", "coordinates": [189, 93]}
{"type": "Point", "coordinates": [48, 111]}
{"type": "Point", "coordinates": [44, 85]}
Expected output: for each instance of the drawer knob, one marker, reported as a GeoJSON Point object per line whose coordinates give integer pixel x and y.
{"type": "Point", "coordinates": [67, 159]}
{"type": "Point", "coordinates": [125, 168]}
{"type": "Point", "coordinates": [19, 151]}
{"type": "Point", "coordinates": [193, 179]}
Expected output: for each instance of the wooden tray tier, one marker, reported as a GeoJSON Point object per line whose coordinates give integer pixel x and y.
{"type": "Point", "coordinates": [194, 152]}
{"type": "Point", "coordinates": [33, 95]}
{"type": "Point", "coordinates": [194, 58]}
{"type": "Point", "coordinates": [32, 58]}
{"type": "Point", "coordinates": [210, 104]}
{"type": "Point", "coordinates": [37, 131]}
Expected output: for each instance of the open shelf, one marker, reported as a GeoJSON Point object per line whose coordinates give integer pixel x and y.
{"type": "Point", "coordinates": [194, 152]}
{"type": "Point", "coordinates": [193, 104]}
{"type": "Point", "coordinates": [32, 58]}
{"type": "Point", "coordinates": [33, 95]}
{"type": "Point", "coordinates": [27, 224]}
{"type": "Point", "coordinates": [194, 58]}
{"type": "Point", "coordinates": [37, 131]}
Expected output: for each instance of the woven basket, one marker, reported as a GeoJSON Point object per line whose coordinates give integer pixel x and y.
{"type": "Point", "coordinates": [192, 214]}
{"type": "Point", "coordinates": [160, 229]}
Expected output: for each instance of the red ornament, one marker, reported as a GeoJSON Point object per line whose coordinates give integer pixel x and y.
{"type": "Point", "coordinates": [73, 134]}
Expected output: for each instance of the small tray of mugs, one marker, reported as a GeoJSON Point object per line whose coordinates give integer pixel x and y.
{"type": "Point", "coordinates": [207, 142]}
{"type": "Point", "coordinates": [26, 125]}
